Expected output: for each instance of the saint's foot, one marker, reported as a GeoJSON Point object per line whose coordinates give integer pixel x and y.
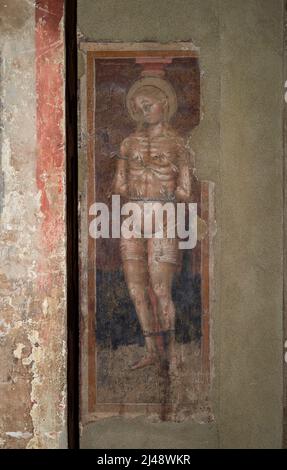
{"type": "Point", "coordinates": [145, 361]}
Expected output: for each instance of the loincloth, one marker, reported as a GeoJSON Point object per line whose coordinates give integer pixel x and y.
{"type": "Point", "coordinates": [153, 250]}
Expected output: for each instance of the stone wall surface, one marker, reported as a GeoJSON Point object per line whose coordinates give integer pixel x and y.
{"type": "Point", "coordinates": [32, 238]}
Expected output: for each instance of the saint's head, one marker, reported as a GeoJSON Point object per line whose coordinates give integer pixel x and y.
{"type": "Point", "coordinates": [151, 100]}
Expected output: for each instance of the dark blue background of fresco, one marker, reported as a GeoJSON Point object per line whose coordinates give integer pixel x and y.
{"type": "Point", "coordinates": [117, 322]}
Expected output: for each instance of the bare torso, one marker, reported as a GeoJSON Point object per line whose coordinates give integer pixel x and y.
{"type": "Point", "coordinates": [153, 166]}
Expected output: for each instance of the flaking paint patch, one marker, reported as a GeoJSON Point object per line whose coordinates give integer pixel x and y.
{"type": "Point", "coordinates": [4, 328]}
{"type": "Point", "coordinates": [37, 353]}
{"type": "Point", "coordinates": [45, 306]}
{"type": "Point", "coordinates": [18, 351]}
{"type": "Point", "coordinates": [46, 433]}
{"type": "Point", "coordinates": [19, 434]}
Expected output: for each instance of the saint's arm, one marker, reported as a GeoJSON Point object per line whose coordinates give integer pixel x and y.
{"type": "Point", "coordinates": [183, 189]}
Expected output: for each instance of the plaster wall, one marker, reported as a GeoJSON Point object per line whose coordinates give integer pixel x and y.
{"type": "Point", "coordinates": [32, 238]}
{"type": "Point", "coordinates": [238, 146]}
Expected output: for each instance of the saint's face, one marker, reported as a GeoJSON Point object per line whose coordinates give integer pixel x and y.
{"type": "Point", "coordinates": [152, 109]}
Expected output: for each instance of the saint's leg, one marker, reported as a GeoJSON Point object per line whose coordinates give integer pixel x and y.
{"type": "Point", "coordinates": [136, 275]}
{"type": "Point", "coordinates": [163, 255]}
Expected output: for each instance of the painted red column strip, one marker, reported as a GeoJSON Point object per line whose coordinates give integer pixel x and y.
{"type": "Point", "coordinates": [49, 43]}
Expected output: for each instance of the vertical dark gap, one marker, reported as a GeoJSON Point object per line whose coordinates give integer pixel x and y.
{"type": "Point", "coordinates": [284, 128]}
{"type": "Point", "coordinates": [72, 223]}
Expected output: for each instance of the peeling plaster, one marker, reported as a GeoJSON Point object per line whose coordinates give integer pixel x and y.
{"type": "Point", "coordinates": [19, 434]}
{"type": "Point", "coordinates": [18, 351]}
{"type": "Point", "coordinates": [32, 276]}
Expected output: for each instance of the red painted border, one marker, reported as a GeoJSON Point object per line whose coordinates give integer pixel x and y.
{"type": "Point", "coordinates": [49, 43]}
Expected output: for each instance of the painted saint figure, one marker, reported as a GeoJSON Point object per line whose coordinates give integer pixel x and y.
{"type": "Point", "coordinates": [153, 166]}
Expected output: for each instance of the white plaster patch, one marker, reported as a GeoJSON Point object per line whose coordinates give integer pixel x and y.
{"type": "Point", "coordinates": [5, 327]}
{"type": "Point", "coordinates": [18, 351]}
{"type": "Point", "coordinates": [37, 353]}
{"type": "Point", "coordinates": [19, 434]}
{"type": "Point", "coordinates": [45, 306]}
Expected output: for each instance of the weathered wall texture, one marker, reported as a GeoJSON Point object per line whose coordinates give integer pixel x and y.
{"type": "Point", "coordinates": [238, 145]}
{"type": "Point", "coordinates": [32, 239]}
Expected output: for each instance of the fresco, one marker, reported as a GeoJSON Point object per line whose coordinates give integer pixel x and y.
{"type": "Point", "coordinates": [148, 300]}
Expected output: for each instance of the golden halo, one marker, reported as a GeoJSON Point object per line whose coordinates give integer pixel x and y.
{"type": "Point", "coordinates": [155, 82]}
